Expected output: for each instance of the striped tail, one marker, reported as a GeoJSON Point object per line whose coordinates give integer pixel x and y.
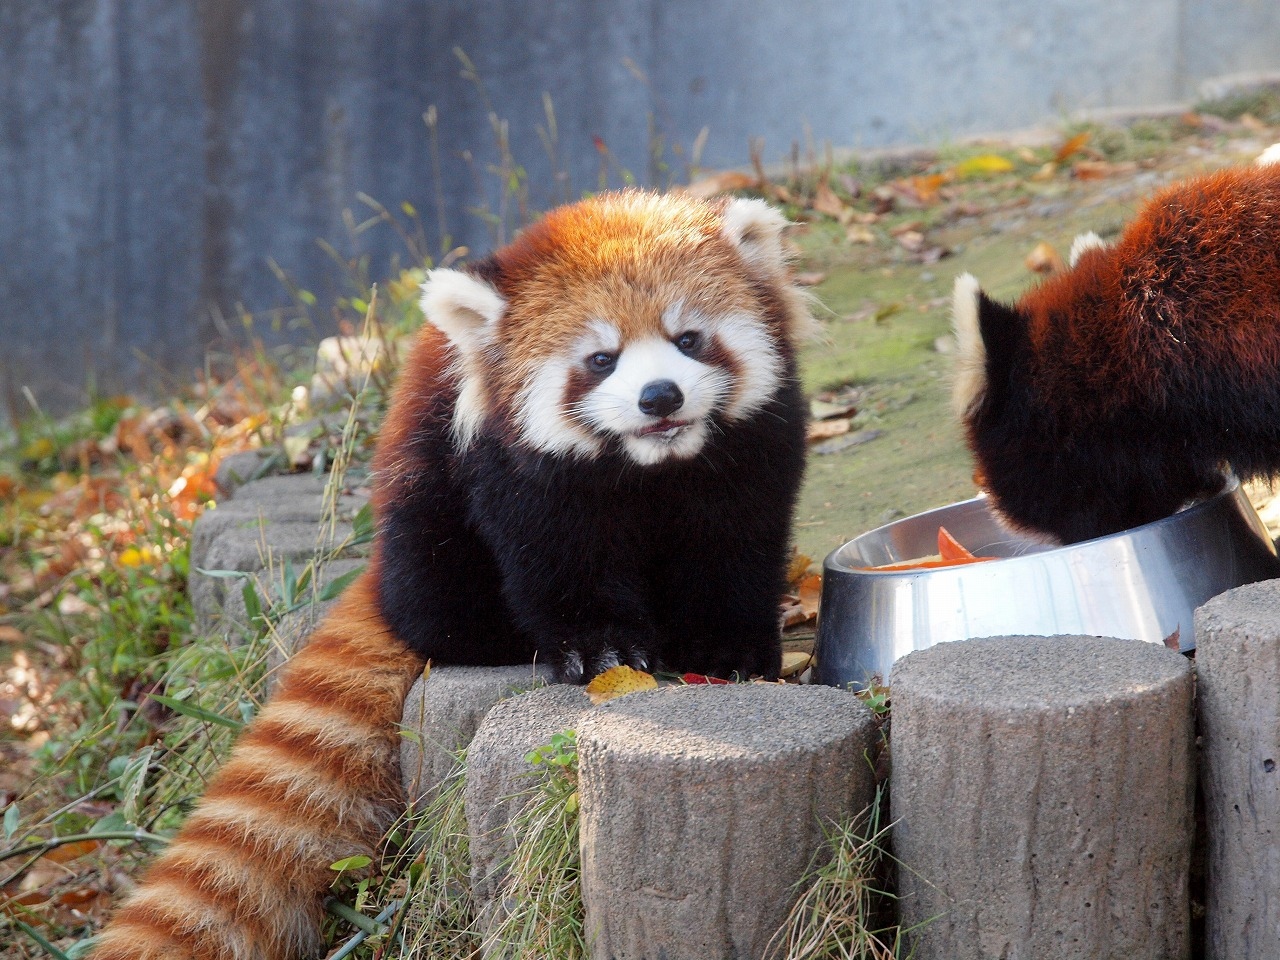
{"type": "Point", "coordinates": [314, 779]}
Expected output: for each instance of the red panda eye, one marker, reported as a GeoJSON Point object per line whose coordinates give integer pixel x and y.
{"type": "Point", "coordinates": [602, 362]}
{"type": "Point", "coordinates": [689, 341]}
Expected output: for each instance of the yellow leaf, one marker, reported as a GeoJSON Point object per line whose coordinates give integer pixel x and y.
{"type": "Point", "coordinates": [131, 558]}
{"type": "Point", "coordinates": [984, 165]}
{"type": "Point", "coordinates": [618, 682]}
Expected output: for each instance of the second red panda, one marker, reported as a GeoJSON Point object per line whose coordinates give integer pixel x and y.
{"type": "Point", "coordinates": [1116, 391]}
{"type": "Point", "coordinates": [591, 457]}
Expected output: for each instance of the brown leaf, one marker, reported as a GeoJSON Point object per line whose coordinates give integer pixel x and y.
{"type": "Point", "coordinates": [1044, 259]}
{"type": "Point", "coordinates": [70, 851]}
{"type": "Point", "coordinates": [860, 234]}
{"type": "Point", "coordinates": [826, 201]}
{"type": "Point", "coordinates": [925, 187]}
{"type": "Point", "coordinates": [1174, 640]}
{"type": "Point", "coordinates": [826, 429]}
{"type": "Point", "coordinates": [791, 613]}
{"type": "Point", "coordinates": [810, 593]}
{"type": "Point", "coordinates": [727, 181]}
{"type": "Point", "coordinates": [1072, 146]}
{"type": "Point", "coordinates": [809, 278]}
{"type": "Point", "coordinates": [911, 240]}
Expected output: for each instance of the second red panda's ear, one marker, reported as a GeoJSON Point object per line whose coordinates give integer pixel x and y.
{"type": "Point", "coordinates": [987, 337]}
{"type": "Point", "coordinates": [970, 377]}
{"type": "Point", "coordinates": [462, 306]}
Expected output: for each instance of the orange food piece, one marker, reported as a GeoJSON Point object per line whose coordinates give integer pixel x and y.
{"type": "Point", "coordinates": [951, 553]}
{"type": "Point", "coordinates": [927, 564]}
{"type": "Point", "coordinates": [949, 548]}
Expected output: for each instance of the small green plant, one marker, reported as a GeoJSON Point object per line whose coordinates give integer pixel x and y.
{"type": "Point", "coordinates": [540, 895]}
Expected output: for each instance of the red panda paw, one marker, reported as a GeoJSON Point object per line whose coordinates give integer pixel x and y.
{"type": "Point", "coordinates": [582, 662]}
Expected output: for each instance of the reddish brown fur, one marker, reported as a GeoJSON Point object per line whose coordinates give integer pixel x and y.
{"type": "Point", "coordinates": [1153, 303]}
{"type": "Point", "coordinates": [613, 260]}
{"type": "Point", "coordinates": [1116, 391]}
{"type": "Point", "coordinates": [315, 778]}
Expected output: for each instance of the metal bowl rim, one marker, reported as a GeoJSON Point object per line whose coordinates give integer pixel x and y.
{"type": "Point", "coordinates": [833, 564]}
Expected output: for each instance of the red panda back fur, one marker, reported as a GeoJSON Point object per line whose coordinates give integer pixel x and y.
{"type": "Point", "coordinates": [1116, 391]}
{"type": "Point", "coordinates": [613, 537]}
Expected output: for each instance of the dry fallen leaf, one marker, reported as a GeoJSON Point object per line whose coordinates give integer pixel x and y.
{"type": "Point", "coordinates": [1072, 146]}
{"type": "Point", "coordinates": [911, 240]}
{"type": "Point", "coordinates": [984, 165]}
{"type": "Point", "coordinates": [826, 429]}
{"type": "Point", "coordinates": [724, 182]}
{"type": "Point", "coordinates": [1044, 259]}
{"type": "Point", "coordinates": [794, 662]}
{"type": "Point", "coordinates": [1092, 169]}
{"type": "Point", "coordinates": [827, 201]}
{"type": "Point", "coordinates": [809, 278]}
{"type": "Point", "coordinates": [810, 594]}
{"type": "Point", "coordinates": [617, 682]}
{"type": "Point", "coordinates": [791, 613]}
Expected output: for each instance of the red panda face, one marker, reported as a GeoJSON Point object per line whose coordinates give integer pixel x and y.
{"type": "Point", "coordinates": [629, 322]}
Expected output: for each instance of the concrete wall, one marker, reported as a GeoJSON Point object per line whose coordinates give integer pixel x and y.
{"type": "Point", "coordinates": [155, 155]}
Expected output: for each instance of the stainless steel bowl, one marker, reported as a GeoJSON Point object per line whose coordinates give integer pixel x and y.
{"type": "Point", "coordinates": [1144, 583]}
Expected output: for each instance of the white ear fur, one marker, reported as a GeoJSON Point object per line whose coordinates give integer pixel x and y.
{"type": "Point", "coordinates": [1082, 244]}
{"type": "Point", "coordinates": [755, 228]}
{"type": "Point", "coordinates": [1269, 156]}
{"type": "Point", "coordinates": [462, 306]}
{"type": "Point", "coordinates": [971, 353]}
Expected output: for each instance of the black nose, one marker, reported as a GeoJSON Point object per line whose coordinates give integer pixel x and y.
{"type": "Point", "coordinates": [661, 398]}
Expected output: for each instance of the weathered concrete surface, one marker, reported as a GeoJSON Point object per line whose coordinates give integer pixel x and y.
{"type": "Point", "coordinates": [443, 712]}
{"type": "Point", "coordinates": [1238, 674]}
{"type": "Point", "coordinates": [499, 778]}
{"type": "Point", "coordinates": [160, 153]}
{"type": "Point", "coordinates": [236, 470]}
{"type": "Point", "coordinates": [1042, 795]}
{"type": "Point", "coordinates": [263, 525]}
{"type": "Point", "coordinates": [701, 808]}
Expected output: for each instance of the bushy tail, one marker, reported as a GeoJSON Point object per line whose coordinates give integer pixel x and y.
{"type": "Point", "coordinates": [313, 780]}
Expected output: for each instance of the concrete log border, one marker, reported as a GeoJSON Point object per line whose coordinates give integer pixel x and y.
{"type": "Point", "coordinates": [1071, 752]}
{"type": "Point", "coordinates": [1042, 795]}
{"type": "Point", "coordinates": [702, 808]}
{"type": "Point", "coordinates": [1238, 670]}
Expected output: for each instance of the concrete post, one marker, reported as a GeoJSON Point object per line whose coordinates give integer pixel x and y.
{"type": "Point", "coordinates": [1238, 671]}
{"type": "Point", "coordinates": [1042, 795]}
{"type": "Point", "coordinates": [702, 807]}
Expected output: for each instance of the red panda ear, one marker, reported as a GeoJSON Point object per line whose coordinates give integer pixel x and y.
{"type": "Point", "coordinates": [755, 229]}
{"type": "Point", "coordinates": [464, 307]}
{"type": "Point", "coordinates": [1082, 244]}
{"type": "Point", "coordinates": [970, 377]}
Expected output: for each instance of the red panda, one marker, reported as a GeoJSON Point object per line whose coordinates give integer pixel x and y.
{"type": "Point", "coordinates": [591, 457]}
{"type": "Point", "coordinates": [1114, 392]}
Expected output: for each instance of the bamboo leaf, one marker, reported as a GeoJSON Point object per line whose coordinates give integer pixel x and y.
{"type": "Point", "coordinates": [199, 713]}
